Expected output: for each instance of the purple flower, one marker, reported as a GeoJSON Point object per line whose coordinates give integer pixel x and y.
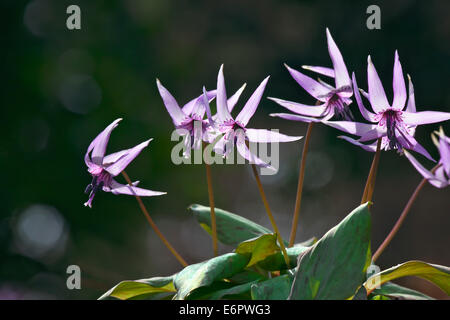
{"type": "Point", "coordinates": [441, 177]}
{"type": "Point", "coordinates": [332, 100]}
{"type": "Point", "coordinates": [394, 123]}
{"type": "Point", "coordinates": [234, 130]}
{"type": "Point", "coordinates": [189, 118]}
{"type": "Point", "coordinates": [104, 168]}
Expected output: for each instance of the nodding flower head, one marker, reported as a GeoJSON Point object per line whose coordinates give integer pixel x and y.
{"type": "Point", "coordinates": [332, 101]}
{"type": "Point", "coordinates": [104, 168]}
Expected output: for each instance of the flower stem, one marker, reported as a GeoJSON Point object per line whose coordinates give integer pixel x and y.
{"type": "Point", "coordinates": [269, 213]}
{"type": "Point", "coordinates": [401, 218]}
{"type": "Point", "coordinates": [301, 176]}
{"type": "Point", "coordinates": [370, 183]}
{"type": "Point", "coordinates": [211, 206]}
{"type": "Point", "coordinates": [153, 225]}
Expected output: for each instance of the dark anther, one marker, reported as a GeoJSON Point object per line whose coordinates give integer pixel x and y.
{"type": "Point", "coordinates": [88, 188]}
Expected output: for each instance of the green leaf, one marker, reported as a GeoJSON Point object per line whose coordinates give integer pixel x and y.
{"type": "Point", "coordinates": [231, 228]}
{"type": "Point", "coordinates": [276, 261]}
{"type": "Point", "coordinates": [205, 273]}
{"type": "Point", "coordinates": [394, 291]}
{"type": "Point", "coordinates": [259, 248]}
{"type": "Point", "coordinates": [439, 275]}
{"type": "Point", "coordinates": [236, 291]}
{"type": "Point", "coordinates": [138, 288]}
{"type": "Point", "coordinates": [246, 276]}
{"type": "Point", "coordinates": [335, 267]}
{"type": "Point", "coordinates": [273, 289]}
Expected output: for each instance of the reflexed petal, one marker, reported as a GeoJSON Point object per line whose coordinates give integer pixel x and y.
{"type": "Point", "coordinates": [294, 117]}
{"type": "Point", "coordinates": [177, 115]}
{"type": "Point", "coordinates": [424, 172]}
{"type": "Point", "coordinates": [329, 72]}
{"type": "Point", "coordinates": [369, 116]}
{"type": "Point", "coordinates": [98, 145]}
{"type": "Point", "coordinates": [246, 154]}
{"type": "Point", "coordinates": [408, 142]}
{"type": "Point", "coordinates": [117, 188]}
{"type": "Point", "coordinates": [235, 98]}
{"type": "Point", "coordinates": [250, 107]}
{"type": "Point", "coordinates": [113, 157]}
{"type": "Point", "coordinates": [341, 74]}
{"type": "Point", "coordinates": [373, 134]}
{"type": "Point", "coordinates": [368, 147]}
{"type": "Point", "coordinates": [411, 106]}
{"type": "Point", "coordinates": [398, 84]}
{"type": "Point", "coordinates": [313, 87]}
{"type": "Point", "coordinates": [123, 162]}
{"type": "Point", "coordinates": [221, 99]}
{"type": "Point", "coordinates": [355, 128]}
{"type": "Point", "coordinates": [266, 136]}
{"type": "Point", "coordinates": [444, 151]}
{"type": "Point", "coordinates": [424, 117]}
{"type": "Point", "coordinates": [188, 107]}
{"type": "Point", "coordinates": [377, 95]}
{"type": "Point", "coordinates": [310, 111]}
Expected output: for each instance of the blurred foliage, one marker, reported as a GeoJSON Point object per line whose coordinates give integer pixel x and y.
{"type": "Point", "coordinates": [61, 87]}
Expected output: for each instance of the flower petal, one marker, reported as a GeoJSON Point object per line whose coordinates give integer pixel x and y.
{"type": "Point", "coordinates": [408, 142]}
{"type": "Point", "coordinates": [235, 98]}
{"type": "Point", "coordinates": [117, 188]}
{"type": "Point", "coordinates": [398, 84]}
{"type": "Point", "coordinates": [329, 72]}
{"type": "Point", "coordinates": [341, 74]}
{"type": "Point", "coordinates": [98, 145]}
{"type": "Point", "coordinates": [310, 111]}
{"type": "Point", "coordinates": [313, 87]}
{"type": "Point", "coordinates": [188, 107]}
{"type": "Point", "coordinates": [444, 151]}
{"type": "Point", "coordinates": [175, 112]}
{"type": "Point", "coordinates": [118, 166]}
{"type": "Point", "coordinates": [368, 147]}
{"type": "Point", "coordinates": [411, 106]}
{"type": "Point", "coordinates": [424, 117]}
{"type": "Point", "coordinates": [221, 99]}
{"type": "Point", "coordinates": [246, 154]}
{"type": "Point", "coordinates": [369, 116]}
{"type": "Point", "coordinates": [377, 95]}
{"type": "Point", "coordinates": [252, 104]}
{"type": "Point", "coordinates": [294, 117]}
{"type": "Point", "coordinates": [351, 127]}
{"type": "Point", "coordinates": [421, 169]}
{"type": "Point", "coordinates": [267, 136]}
{"type": "Point", "coordinates": [373, 134]}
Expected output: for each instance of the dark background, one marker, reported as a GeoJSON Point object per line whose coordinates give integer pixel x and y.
{"type": "Point", "coordinates": [62, 87]}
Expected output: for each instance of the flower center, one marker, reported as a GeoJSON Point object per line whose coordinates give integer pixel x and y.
{"type": "Point", "coordinates": [98, 181]}
{"type": "Point", "coordinates": [391, 119]}
{"type": "Point", "coordinates": [340, 108]}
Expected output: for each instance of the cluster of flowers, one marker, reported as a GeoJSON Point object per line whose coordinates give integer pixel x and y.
{"type": "Point", "coordinates": [395, 124]}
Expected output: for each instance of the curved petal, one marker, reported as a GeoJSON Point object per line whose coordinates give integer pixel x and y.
{"type": "Point", "coordinates": [221, 99]}
{"type": "Point", "coordinates": [313, 87]}
{"type": "Point", "coordinates": [246, 154]}
{"type": "Point", "coordinates": [329, 72]}
{"type": "Point", "coordinates": [377, 96]}
{"type": "Point", "coordinates": [424, 117]}
{"type": "Point", "coordinates": [235, 98]}
{"type": "Point", "coordinates": [341, 74]}
{"type": "Point", "coordinates": [411, 106]}
{"type": "Point", "coordinates": [373, 134]}
{"type": "Point", "coordinates": [367, 147]}
{"type": "Point", "coordinates": [408, 142]}
{"type": "Point", "coordinates": [188, 107]}
{"type": "Point", "coordinates": [369, 116]}
{"type": "Point", "coordinates": [444, 151]}
{"type": "Point", "coordinates": [98, 145]}
{"type": "Point", "coordinates": [268, 136]}
{"type": "Point", "coordinates": [117, 188]}
{"type": "Point", "coordinates": [118, 166]}
{"type": "Point", "coordinates": [177, 115]}
{"type": "Point", "coordinates": [398, 84]}
{"type": "Point", "coordinates": [252, 104]}
{"type": "Point", "coordinates": [421, 169]}
{"type": "Point", "coordinates": [310, 111]}
{"type": "Point", "coordinates": [294, 117]}
{"type": "Point", "coordinates": [355, 128]}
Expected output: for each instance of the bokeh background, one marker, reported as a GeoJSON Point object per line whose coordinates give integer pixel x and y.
{"type": "Point", "coordinates": [61, 88]}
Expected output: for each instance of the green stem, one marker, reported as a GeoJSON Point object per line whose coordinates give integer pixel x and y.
{"type": "Point", "coordinates": [301, 177]}
{"type": "Point", "coordinates": [269, 213]}
{"type": "Point", "coordinates": [370, 183]}
{"type": "Point", "coordinates": [153, 225]}
{"type": "Point", "coordinates": [401, 218]}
